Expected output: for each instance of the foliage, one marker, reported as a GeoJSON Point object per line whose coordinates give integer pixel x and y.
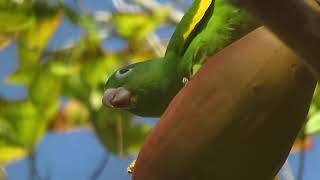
{"type": "Point", "coordinates": [313, 125]}
{"type": "Point", "coordinates": [75, 73]}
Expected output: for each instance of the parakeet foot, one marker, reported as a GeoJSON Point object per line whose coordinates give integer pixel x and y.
{"type": "Point", "coordinates": [185, 81]}
{"type": "Point", "coordinates": [130, 168]}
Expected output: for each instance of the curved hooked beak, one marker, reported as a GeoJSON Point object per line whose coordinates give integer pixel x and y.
{"type": "Point", "coordinates": [119, 98]}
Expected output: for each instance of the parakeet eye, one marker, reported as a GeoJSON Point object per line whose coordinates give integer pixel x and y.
{"type": "Point", "coordinates": [122, 72]}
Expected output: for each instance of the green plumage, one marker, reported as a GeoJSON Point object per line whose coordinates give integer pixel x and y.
{"type": "Point", "coordinates": [146, 88]}
{"type": "Point", "coordinates": [224, 26]}
{"type": "Point", "coordinates": [178, 43]}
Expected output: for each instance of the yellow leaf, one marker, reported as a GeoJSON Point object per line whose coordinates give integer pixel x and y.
{"type": "Point", "coordinates": [32, 41]}
{"type": "Point", "coordinates": [9, 153]}
{"type": "Point", "coordinates": [5, 39]}
{"type": "Point", "coordinates": [136, 26]}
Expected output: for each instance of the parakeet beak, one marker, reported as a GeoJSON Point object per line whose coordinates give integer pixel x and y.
{"type": "Point", "coordinates": [118, 98]}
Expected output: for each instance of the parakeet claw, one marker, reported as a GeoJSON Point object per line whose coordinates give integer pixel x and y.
{"type": "Point", "coordinates": [118, 98]}
{"type": "Point", "coordinates": [130, 168]}
{"type": "Point", "coordinates": [185, 81]}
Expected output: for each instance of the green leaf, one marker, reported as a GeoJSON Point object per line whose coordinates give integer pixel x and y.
{"type": "Point", "coordinates": [136, 26]}
{"type": "Point", "coordinates": [45, 88]}
{"type": "Point", "coordinates": [16, 16]}
{"type": "Point", "coordinates": [313, 124]}
{"type": "Point", "coordinates": [117, 131]}
{"type": "Point", "coordinates": [7, 136]}
{"type": "Point", "coordinates": [60, 68]}
{"type": "Point", "coordinates": [33, 41]}
{"type": "Point", "coordinates": [74, 87]}
{"type": "Point", "coordinates": [23, 123]}
{"type": "Point", "coordinates": [20, 109]}
{"type": "Point", "coordinates": [87, 23]}
{"type": "Point", "coordinates": [94, 71]}
{"type": "Point", "coordinates": [22, 76]}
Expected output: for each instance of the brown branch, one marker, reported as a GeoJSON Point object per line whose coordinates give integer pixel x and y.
{"type": "Point", "coordinates": [119, 135]}
{"type": "Point", "coordinates": [236, 119]}
{"type": "Point", "coordinates": [101, 166]}
{"type": "Point", "coordinates": [296, 22]}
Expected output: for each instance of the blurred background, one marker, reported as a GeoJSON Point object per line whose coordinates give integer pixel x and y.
{"type": "Point", "coordinates": [55, 57]}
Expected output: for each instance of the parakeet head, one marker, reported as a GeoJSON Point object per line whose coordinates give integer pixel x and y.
{"type": "Point", "coordinates": [144, 88]}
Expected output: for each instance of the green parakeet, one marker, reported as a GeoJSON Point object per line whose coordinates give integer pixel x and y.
{"type": "Point", "coordinates": [146, 88]}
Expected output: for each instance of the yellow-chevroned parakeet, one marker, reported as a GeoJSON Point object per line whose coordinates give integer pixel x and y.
{"type": "Point", "coordinates": [146, 88]}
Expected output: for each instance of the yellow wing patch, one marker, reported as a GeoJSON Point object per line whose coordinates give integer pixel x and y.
{"type": "Point", "coordinates": [200, 12]}
{"type": "Point", "coordinates": [187, 28]}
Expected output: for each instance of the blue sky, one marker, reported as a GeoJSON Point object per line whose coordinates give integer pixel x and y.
{"type": "Point", "coordinates": [72, 155]}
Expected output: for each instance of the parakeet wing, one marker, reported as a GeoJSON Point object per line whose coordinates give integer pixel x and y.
{"type": "Point", "coordinates": [198, 13]}
{"type": "Point", "coordinates": [227, 24]}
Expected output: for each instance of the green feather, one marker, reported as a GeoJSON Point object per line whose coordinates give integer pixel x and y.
{"type": "Point", "coordinates": [226, 25]}
{"type": "Point", "coordinates": [147, 88]}
{"type": "Point", "coordinates": [198, 13]}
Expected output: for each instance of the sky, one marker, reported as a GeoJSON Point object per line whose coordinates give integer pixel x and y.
{"type": "Point", "coordinates": [76, 154]}
{"type": "Point", "coordinates": [72, 155]}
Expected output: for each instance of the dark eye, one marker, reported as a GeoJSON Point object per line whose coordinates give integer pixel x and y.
{"type": "Point", "coordinates": [122, 72]}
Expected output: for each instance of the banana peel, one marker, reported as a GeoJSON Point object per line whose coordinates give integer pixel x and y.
{"type": "Point", "coordinates": [236, 119]}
